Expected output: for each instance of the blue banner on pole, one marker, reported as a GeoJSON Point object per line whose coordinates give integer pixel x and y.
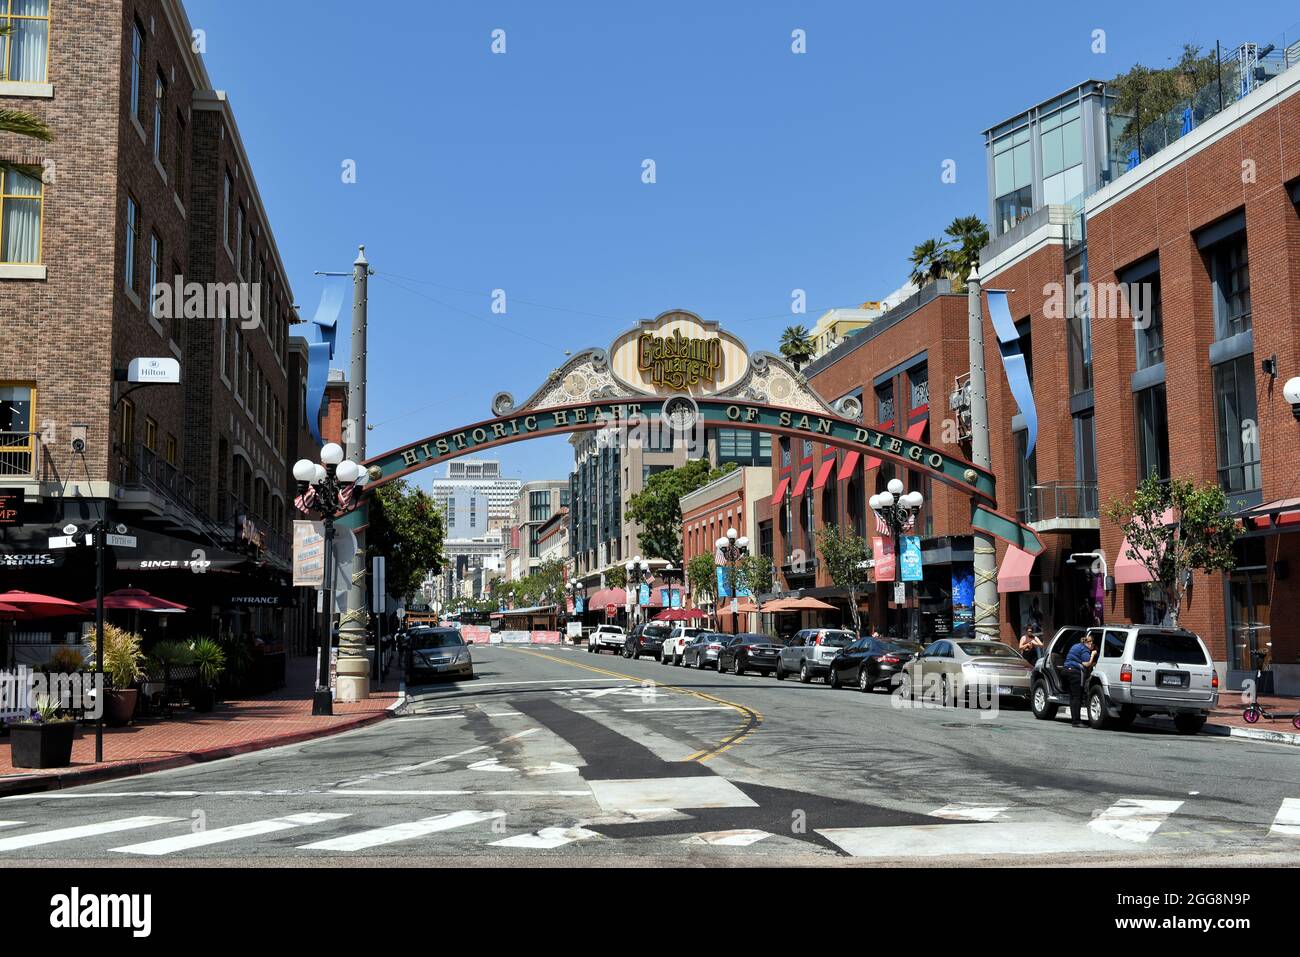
{"type": "Point", "coordinates": [724, 585]}
{"type": "Point", "coordinates": [909, 562]}
{"type": "Point", "coordinates": [677, 598]}
{"type": "Point", "coordinates": [578, 604]}
{"type": "Point", "coordinates": [643, 597]}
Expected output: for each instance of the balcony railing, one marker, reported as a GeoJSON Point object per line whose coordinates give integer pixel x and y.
{"type": "Point", "coordinates": [20, 454]}
{"type": "Point", "coordinates": [1061, 502]}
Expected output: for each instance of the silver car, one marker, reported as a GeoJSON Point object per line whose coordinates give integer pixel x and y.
{"type": "Point", "coordinates": [702, 650]}
{"type": "Point", "coordinates": [951, 670]}
{"type": "Point", "coordinates": [810, 652]}
{"type": "Point", "coordinates": [437, 652]}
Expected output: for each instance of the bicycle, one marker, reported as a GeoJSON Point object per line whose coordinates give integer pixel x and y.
{"type": "Point", "coordinates": [1253, 711]}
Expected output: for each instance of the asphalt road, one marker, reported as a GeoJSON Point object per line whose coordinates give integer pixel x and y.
{"type": "Point", "coordinates": [556, 756]}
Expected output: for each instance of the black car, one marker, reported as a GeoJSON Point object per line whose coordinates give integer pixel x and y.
{"type": "Point", "coordinates": [646, 639]}
{"type": "Point", "coordinates": [437, 652]}
{"type": "Point", "coordinates": [871, 662]}
{"type": "Point", "coordinates": [748, 652]}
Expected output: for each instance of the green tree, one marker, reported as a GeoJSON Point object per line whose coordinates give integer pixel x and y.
{"type": "Point", "coordinates": [969, 235]}
{"type": "Point", "coordinates": [1143, 94]}
{"type": "Point", "coordinates": [844, 555]}
{"type": "Point", "coordinates": [657, 508]}
{"type": "Point", "coordinates": [754, 573]}
{"type": "Point", "coordinates": [549, 581]}
{"type": "Point", "coordinates": [930, 261]}
{"type": "Point", "coordinates": [702, 575]}
{"type": "Point", "coordinates": [616, 577]}
{"type": "Point", "coordinates": [407, 528]}
{"type": "Point", "coordinates": [796, 345]}
{"type": "Point", "coordinates": [1200, 534]}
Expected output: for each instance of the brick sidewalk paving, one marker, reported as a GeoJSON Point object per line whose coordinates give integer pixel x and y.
{"type": "Point", "coordinates": [236, 726]}
{"type": "Point", "coordinates": [1228, 713]}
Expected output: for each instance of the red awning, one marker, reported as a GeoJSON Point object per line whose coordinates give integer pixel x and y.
{"type": "Point", "coordinates": [1014, 573]}
{"type": "Point", "coordinates": [607, 596]}
{"type": "Point", "coordinates": [917, 429]}
{"type": "Point", "coordinates": [1277, 514]}
{"type": "Point", "coordinates": [872, 463]}
{"type": "Point", "coordinates": [779, 495]}
{"type": "Point", "coordinates": [823, 473]}
{"type": "Point", "coordinates": [849, 465]}
{"type": "Point", "coordinates": [802, 483]}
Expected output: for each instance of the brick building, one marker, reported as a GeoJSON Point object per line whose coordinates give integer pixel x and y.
{"type": "Point", "coordinates": [709, 512]}
{"type": "Point", "coordinates": [140, 232]}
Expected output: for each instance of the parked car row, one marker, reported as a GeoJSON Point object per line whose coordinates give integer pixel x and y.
{"type": "Point", "coordinates": [1140, 669]}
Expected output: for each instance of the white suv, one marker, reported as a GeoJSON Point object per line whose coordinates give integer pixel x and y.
{"type": "Point", "coordinates": [606, 636]}
{"type": "Point", "coordinates": [675, 644]}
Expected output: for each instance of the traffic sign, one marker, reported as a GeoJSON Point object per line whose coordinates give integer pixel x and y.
{"type": "Point", "coordinates": [62, 541]}
{"type": "Point", "coordinates": [611, 610]}
{"type": "Point", "coordinates": [122, 541]}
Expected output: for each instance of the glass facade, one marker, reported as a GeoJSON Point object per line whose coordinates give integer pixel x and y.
{"type": "Point", "coordinates": [1026, 478]}
{"type": "Point", "coordinates": [1230, 272]}
{"type": "Point", "coordinates": [1013, 178]}
{"type": "Point", "coordinates": [1148, 323]}
{"type": "Point", "coordinates": [743, 446]}
{"type": "Point", "coordinates": [1060, 138]}
{"type": "Point", "coordinates": [1152, 421]}
{"type": "Point", "coordinates": [1237, 425]}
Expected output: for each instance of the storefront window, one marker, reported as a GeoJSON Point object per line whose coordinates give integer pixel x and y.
{"type": "Point", "coordinates": [1236, 425]}
{"type": "Point", "coordinates": [1248, 607]}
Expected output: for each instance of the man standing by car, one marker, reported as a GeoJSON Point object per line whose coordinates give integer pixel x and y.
{"type": "Point", "coordinates": [1077, 661]}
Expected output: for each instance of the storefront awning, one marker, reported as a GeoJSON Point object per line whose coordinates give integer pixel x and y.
{"type": "Point", "coordinates": [607, 596]}
{"type": "Point", "coordinates": [917, 429]}
{"type": "Point", "coordinates": [1283, 513]}
{"type": "Point", "coordinates": [849, 465]}
{"type": "Point", "coordinates": [823, 473]}
{"type": "Point", "coordinates": [1016, 567]}
{"type": "Point", "coordinates": [155, 551]}
{"type": "Point", "coordinates": [779, 495]}
{"type": "Point", "coordinates": [802, 483]}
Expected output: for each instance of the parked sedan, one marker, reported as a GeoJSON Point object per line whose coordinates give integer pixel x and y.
{"type": "Point", "coordinates": [949, 670]}
{"type": "Point", "coordinates": [809, 653]}
{"type": "Point", "coordinates": [871, 663]}
{"type": "Point", "coordinates": [645, 639]}
{"type": "Point", "coordinates": [437, 652]}
{"type": "Point", "coordinates": [703, 650]}
{"type": "Point", "coordinates": [675, 644]}
{"type": "Point", "coordinates": [749, 652]}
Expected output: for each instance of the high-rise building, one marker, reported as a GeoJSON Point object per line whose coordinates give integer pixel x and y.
{"type": "Point", "coordinates": [536, 504]}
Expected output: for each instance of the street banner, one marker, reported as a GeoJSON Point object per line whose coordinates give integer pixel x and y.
{"type": "Point", "coordinates": [724, 585]}
{"type": "Point", "coordinates": [643, 595]}
{"type": "Point", "coordinates": [909, 562]}
{"type": "Point", "coordinates": [677, 598]}
{"type": "Point", "coordinates": [308, 554]}
{"type": "Point", "coordinates": [378, 584]}
{"type": "Point", "coordinates": [882, 550]}
{"type": "Point", "coordinates": [578, 605]}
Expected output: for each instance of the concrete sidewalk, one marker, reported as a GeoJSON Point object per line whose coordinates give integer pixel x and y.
{"type": "Point", "coordinates": [1227, 719]}
{"type": "Point", "coordinates": [234, 727]}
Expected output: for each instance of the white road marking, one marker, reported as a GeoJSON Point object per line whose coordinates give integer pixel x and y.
{"type": "Point", "coordinates": [1133, 819]}
{"type": "Point", "coordinates": [491, 764]}
{"type": "Point", "coordinates": [712, 707]}
{"type": "Point", "coordinates": [10, 823]}
{"type": "Point", "coordinates": [81, 830]}
{"type": "Point", "coordinates": [970, 812]}
{"type": "Point", "coordinates": [433, 717]}
{"type": "Point", "coordinates": [374, 775]}
{"type": "Point", "coordinates": [547, 838]}
{"type": "Point", "coordinates": [546, 681]}
{"type": "Point", "coordinates": [221, 835]}
{"type": "Point", "coordinates": [693, 792]}
{"type": "Point", "coordinates": [638, 815]}
{"type": "Point", "coordinates": [417, 793]}
{"type": "Point", "coordinates": [953, 840]}
{"type": "Point", "coordinates": [1287, 822]}
{"type": "Point", "coordinates": [742, 837]}
{"type": "Point", "coordinates": [406, 831]}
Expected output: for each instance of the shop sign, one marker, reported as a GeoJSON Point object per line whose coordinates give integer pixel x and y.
{"type": "Point", "coordinates": [11, 506]}
{"type": "Point", "coordinates": [258, 601]}
{"type": "Point", "coordinates": [909, 564]}
{"type": "Point", "coordinates": [882, 553]}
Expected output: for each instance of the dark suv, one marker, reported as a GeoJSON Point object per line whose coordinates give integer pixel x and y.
{"type": "Point", "coordinates": [646, 639]}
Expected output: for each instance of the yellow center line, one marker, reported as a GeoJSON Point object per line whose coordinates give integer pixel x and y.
{"type": "Point", "coordinates": [753, 718]}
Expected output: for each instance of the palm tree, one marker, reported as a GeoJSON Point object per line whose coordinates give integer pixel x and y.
{"type": "Point", "coordinates": [930, 261]}
{"type": "Point", "coordinates": [796, 346]}
{"type": "Point", "coordinates": [21, 124]}
{"type": "Point", "coordinates": [970, 235]}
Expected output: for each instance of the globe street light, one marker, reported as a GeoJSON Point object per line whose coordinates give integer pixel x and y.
{"type": "Point", "coordinates": [638, 573]}
{"type": "Point", "coordinates": [732, 550]}
{"type": "Point", "coordinates": [896, 509]}
{"type": "Point", "coordinates": [327, 490]}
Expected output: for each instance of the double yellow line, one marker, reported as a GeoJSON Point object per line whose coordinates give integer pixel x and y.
{"type": "Point", "coordinates": [753, 718]}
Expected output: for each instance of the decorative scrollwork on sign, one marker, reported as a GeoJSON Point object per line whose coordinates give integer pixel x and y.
{"type": "Point", "coordinates": [849, 407]}
{"type": "Point", "coordinates": [503, 404]}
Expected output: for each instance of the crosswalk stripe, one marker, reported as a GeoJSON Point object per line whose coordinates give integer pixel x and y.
{"type": "Point", "coordinates": [958, 840]}
{"type": "Point", "coordinates": [10, 823]}
{"type": "Point", "coordinates": [742, 837]}
{"type": "Point", "coordinates": [970, 812]}
{"type": "Point", "coordinates": [547, 838]}
{"type": "Point", "coordinates": [1133, 819]}
{"type": "Point", "coordinates": [1287, 822]}
{"type": "Point", "coordinates": [81, 830]}
{"type": "Point", "coordinates": [221, 835]}
{"type": "Point", "coordinates": [692, 792]}
{"type": "Point", "coordinates": [401, 832]}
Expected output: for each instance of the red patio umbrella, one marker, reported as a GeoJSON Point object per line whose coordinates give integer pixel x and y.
{"type": "Point", "coordinates": [32, 605]}
{"type": "Point", "coordinates": [135, 599]}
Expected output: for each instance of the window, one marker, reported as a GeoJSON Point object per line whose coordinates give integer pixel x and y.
{"type": "Point", "coordinates": [1012, 179]}
{"type": "Point", "coordinates": [539, 506]}
{"type": "Point", "coordinates": [239, 237]}
{"type": "Point", "coordinates": [1152, 421]}
{"type": "Point", "coordinates": [223, 348]}
{"type": "Point", "coordinates": [1026, 343]}
{"type": "Point", "coordinates": [170, 447]}
{"type": "Point", "coordinates": [178, 156]}
{"type": "Point", "coordinates": [126, 426]}
{"type": "Point", "coordinates": [1079, 327]}
{"type": "Point", "coordinates": [155, 255]}
{"type": "Point", "coordinates": [137, 69]}
{"type": "Point", "coordinates": [17, 443]}
{"type": "Point", "coordinates": [1237, 425]}
{"type": "Point", "coordinates": [24, 53]}
{"type": "Point", "coordinates": [1148, 322]}
{"type": "Point", "coordinates": [159, 100]}
{"type": "Point", "coordinates": [150, 433]}
{"type": "Point", "coordinates": [1026, 479]}
{"type": "Point", "coordinates": [785, 452]}
{"type": "Point", "coordinates": [178, 316]}
{"type": "Point", "coordinates": [21, 200]}
{"type": "Point", "coordinates": [1060, 138]}
{"type": "Point", "coordinates": [132, 239]}
{"type": "Point", "coordinates": [239, 354]}
{"type": "Point", "coordinates": [1230, 273]}
{"type": "Point", "coordinates": [918, 381]}
{"type": "Point", "coordinates": [885, 404]}
{"type": "Point", "coordinates": [765, 545]}
{"type": "Point", "coordinates": [1085, 462]}
{"type": "Point", "coordinates": [225, 212]}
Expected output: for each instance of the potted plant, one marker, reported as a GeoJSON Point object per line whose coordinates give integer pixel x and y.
{"type": "Point", "coordinates": [164, 656]}
{"type": "Point", "coordinates": [122, 660]}
{"type": "Point", "coordinates": [44, 738]}
{"type": "Point", "coordinates": [211, 663]}
{"type": "Point", "coordinates": [65, 661]}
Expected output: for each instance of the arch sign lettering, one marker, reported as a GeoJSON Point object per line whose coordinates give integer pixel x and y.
{"type": "Point", "coordinates": [680, 372]}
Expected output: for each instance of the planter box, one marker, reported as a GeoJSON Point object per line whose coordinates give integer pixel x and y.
{"type": "Point", "coordinates": [42, 745]}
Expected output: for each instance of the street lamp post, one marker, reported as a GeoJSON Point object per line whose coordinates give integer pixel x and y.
{"type": "Point", "coordinates": [1107, 586]}
{"type": "Point", "coordinates": [897, 509]}
{"type": "Point", "coordinates": [638, 573]}
{"type": "Point", "coordinates": [732, 550]}
{"type": "Point", "coordinates": [327, 490]}
{"type": "Point", "coordinates": [578, 592]}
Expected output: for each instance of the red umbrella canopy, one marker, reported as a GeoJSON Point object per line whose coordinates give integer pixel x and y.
{"type": "Point", "coordinates": [679, 614]}
{"type": "Point", "coordinates": [32, 605]}
{"type": "Point", "coordinates": [134, 599]}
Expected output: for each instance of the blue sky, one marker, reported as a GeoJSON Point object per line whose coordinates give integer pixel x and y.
{"type": "Point", "coordinates": [522, 171]}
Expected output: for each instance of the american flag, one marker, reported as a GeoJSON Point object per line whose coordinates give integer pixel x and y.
{"type": "Point", "coordinates": [882, 527]}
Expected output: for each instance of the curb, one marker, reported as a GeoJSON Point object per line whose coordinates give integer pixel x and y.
{"type": "Point", "coordinates": [1253, 734]}
{"type": "Point", "coordinates": [33, 783]}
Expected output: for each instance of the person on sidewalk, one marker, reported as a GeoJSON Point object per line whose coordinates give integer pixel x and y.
{"type": "Point", "coordinates": [1031, 645]}
{"type": "Point", "coordinates": [1077, 662]}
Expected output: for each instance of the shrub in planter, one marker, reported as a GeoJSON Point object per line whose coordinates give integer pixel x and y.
{"type": "Point", "coordinates": [43, 739]}
{"type": "Point", "coordinates": [66, 661]}
{"type": "Point", "coordinates": [211, 662]}
{"type": "Point", "coordinates": [237, 672]}
{"type": "Point", "coordinates": [122, 663]}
